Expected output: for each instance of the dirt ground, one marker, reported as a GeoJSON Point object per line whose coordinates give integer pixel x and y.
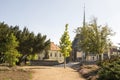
{"type": "Point", "coordinates": [54, 73]}
{"type": "Point", "coordinates": [14, 75]}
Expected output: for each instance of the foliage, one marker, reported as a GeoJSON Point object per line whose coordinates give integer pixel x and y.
{"type": "Point", "coordinates": [32, 57]}
{"type": "Point", "coordinates": [84, 41]}
{"type": "Point", "coordinates": [11, 57]}
{"type": "Point", "coordinates": [29, 43]}
{"type": "Point", "coordinates": [4, 31]}
{"type": "Point", "coordinates": [65, 44]}
{"type": "Point", "coordinates": [100, 37]}
{"type": "Point", "coordinates": [93, 38]}
{"type": "Point", "coordinates": [11, 53]}
{"type": "Point", "coordinates": [110, 70]}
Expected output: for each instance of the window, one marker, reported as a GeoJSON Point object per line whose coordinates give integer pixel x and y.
{"type": "Point", "coordinates": [93, 58]}
{"type": "Point", "coordinates": [55, 54]}
{"type": "Point", "coordinates": [50, 54]}
{"type": "Point", "coordinates": [60, 55]}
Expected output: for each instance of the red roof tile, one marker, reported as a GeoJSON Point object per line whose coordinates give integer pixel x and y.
{"type": "Point", "coordinates": [54, 47]}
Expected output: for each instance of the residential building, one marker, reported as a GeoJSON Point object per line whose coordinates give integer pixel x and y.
{"type": "Point", "coordinates": [114, 51]}
{"type": "Point", "coordinates": [53, 53]}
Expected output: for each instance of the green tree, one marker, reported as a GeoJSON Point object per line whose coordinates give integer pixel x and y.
{"type": "Point", "coordinates": [4, 30]}
{"type": "Point", "coordinates": [94, 39]}
{"type": "Point", "coordinates": [99, 38]}
{"type": "Point", "coordinates": [65, 44]}
{"type": "Point", "coordinates": [29, 43]}
{"type": "Point", "coordinates": [84, 41]}
{"type": "Point", "coordinates": [11, 53]}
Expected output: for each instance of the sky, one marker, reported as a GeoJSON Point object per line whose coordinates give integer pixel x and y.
{"type": "Point", "coordinates": [49, 17]}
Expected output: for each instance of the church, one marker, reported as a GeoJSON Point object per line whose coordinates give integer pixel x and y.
{"type": "Point", "coordinates": [78, 55]}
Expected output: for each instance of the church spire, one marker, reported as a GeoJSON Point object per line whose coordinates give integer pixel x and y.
{"type": "Point", "coordinates": [84, 16]}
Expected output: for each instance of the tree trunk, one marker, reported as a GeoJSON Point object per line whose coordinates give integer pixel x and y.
{"type": "Point", "coordinates": [22, 59]}
{"type": "Point", "coordinates": [101, 57]}
{"type": "Point", "coordinates": [64, 62]}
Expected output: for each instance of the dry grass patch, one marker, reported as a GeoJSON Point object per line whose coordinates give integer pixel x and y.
{"type": "Point", "coordinates": [7, 73]}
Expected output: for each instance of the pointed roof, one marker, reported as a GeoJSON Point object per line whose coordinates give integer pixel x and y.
{"type": "Point", "coordinates": [54, 47]}
{"type": "Point", "coordinates": [75, 42]}
{"type": "Point", "coordinates": [84, 16]}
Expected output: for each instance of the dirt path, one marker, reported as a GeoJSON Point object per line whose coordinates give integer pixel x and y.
{"type": "Point", "coordinates": [54, 73]}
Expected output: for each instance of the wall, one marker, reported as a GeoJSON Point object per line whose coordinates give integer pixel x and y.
{"type": "Point", "coordinates": [43, 63]}
{"type": "Point", "coordinates": [56, 55]}
{"type": "Point", "coordinates": [53, 55]}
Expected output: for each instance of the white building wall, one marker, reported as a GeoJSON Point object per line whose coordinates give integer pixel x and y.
{"type": "Point", "coordinates": [56, 55]}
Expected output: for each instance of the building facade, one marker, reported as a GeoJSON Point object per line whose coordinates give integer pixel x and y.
{"type": "Point", "coordinates": [53, 54]}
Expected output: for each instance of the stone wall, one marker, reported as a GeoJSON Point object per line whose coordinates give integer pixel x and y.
{"type": "Point", "coordinates": [43, 63]}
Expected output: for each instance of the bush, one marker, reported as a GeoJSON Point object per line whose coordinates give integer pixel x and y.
{"type": "Point", "coordinates": [110, 70]}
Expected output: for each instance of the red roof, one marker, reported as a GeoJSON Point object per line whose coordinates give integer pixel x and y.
{"type": "Point", "coordinates": [54, 47]}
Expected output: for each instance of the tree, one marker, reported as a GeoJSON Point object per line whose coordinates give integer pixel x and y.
{"type": "Point", "coordinates": [94, 39]}
{"type": "Point", "coordinates": [65, 44]}
{"type": "Point", "coordinates": [84, 41]}
{"type": "Point", "coordinates": [41, 43]}
{"type": "Point", "coordinates": [4, 30]}
{"type": "Point", "coordinates": [11, 53]}
{"type": "Point", "coordinates": [29, 43]}
{"type": "Point", "coordinates": [99, 38]}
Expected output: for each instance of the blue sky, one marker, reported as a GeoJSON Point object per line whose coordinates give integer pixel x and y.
{"type": "Point", "coordinates": [50, 16]}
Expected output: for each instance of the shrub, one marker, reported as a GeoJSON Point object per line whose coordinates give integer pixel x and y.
{"type": "Point", "coordinates": [110, 70]}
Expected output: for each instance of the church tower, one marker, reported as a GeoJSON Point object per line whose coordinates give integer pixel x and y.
{"type": "Point", "coordinates": [84, 17]}
{"type": "Point", "coordinates": [75, 43]}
